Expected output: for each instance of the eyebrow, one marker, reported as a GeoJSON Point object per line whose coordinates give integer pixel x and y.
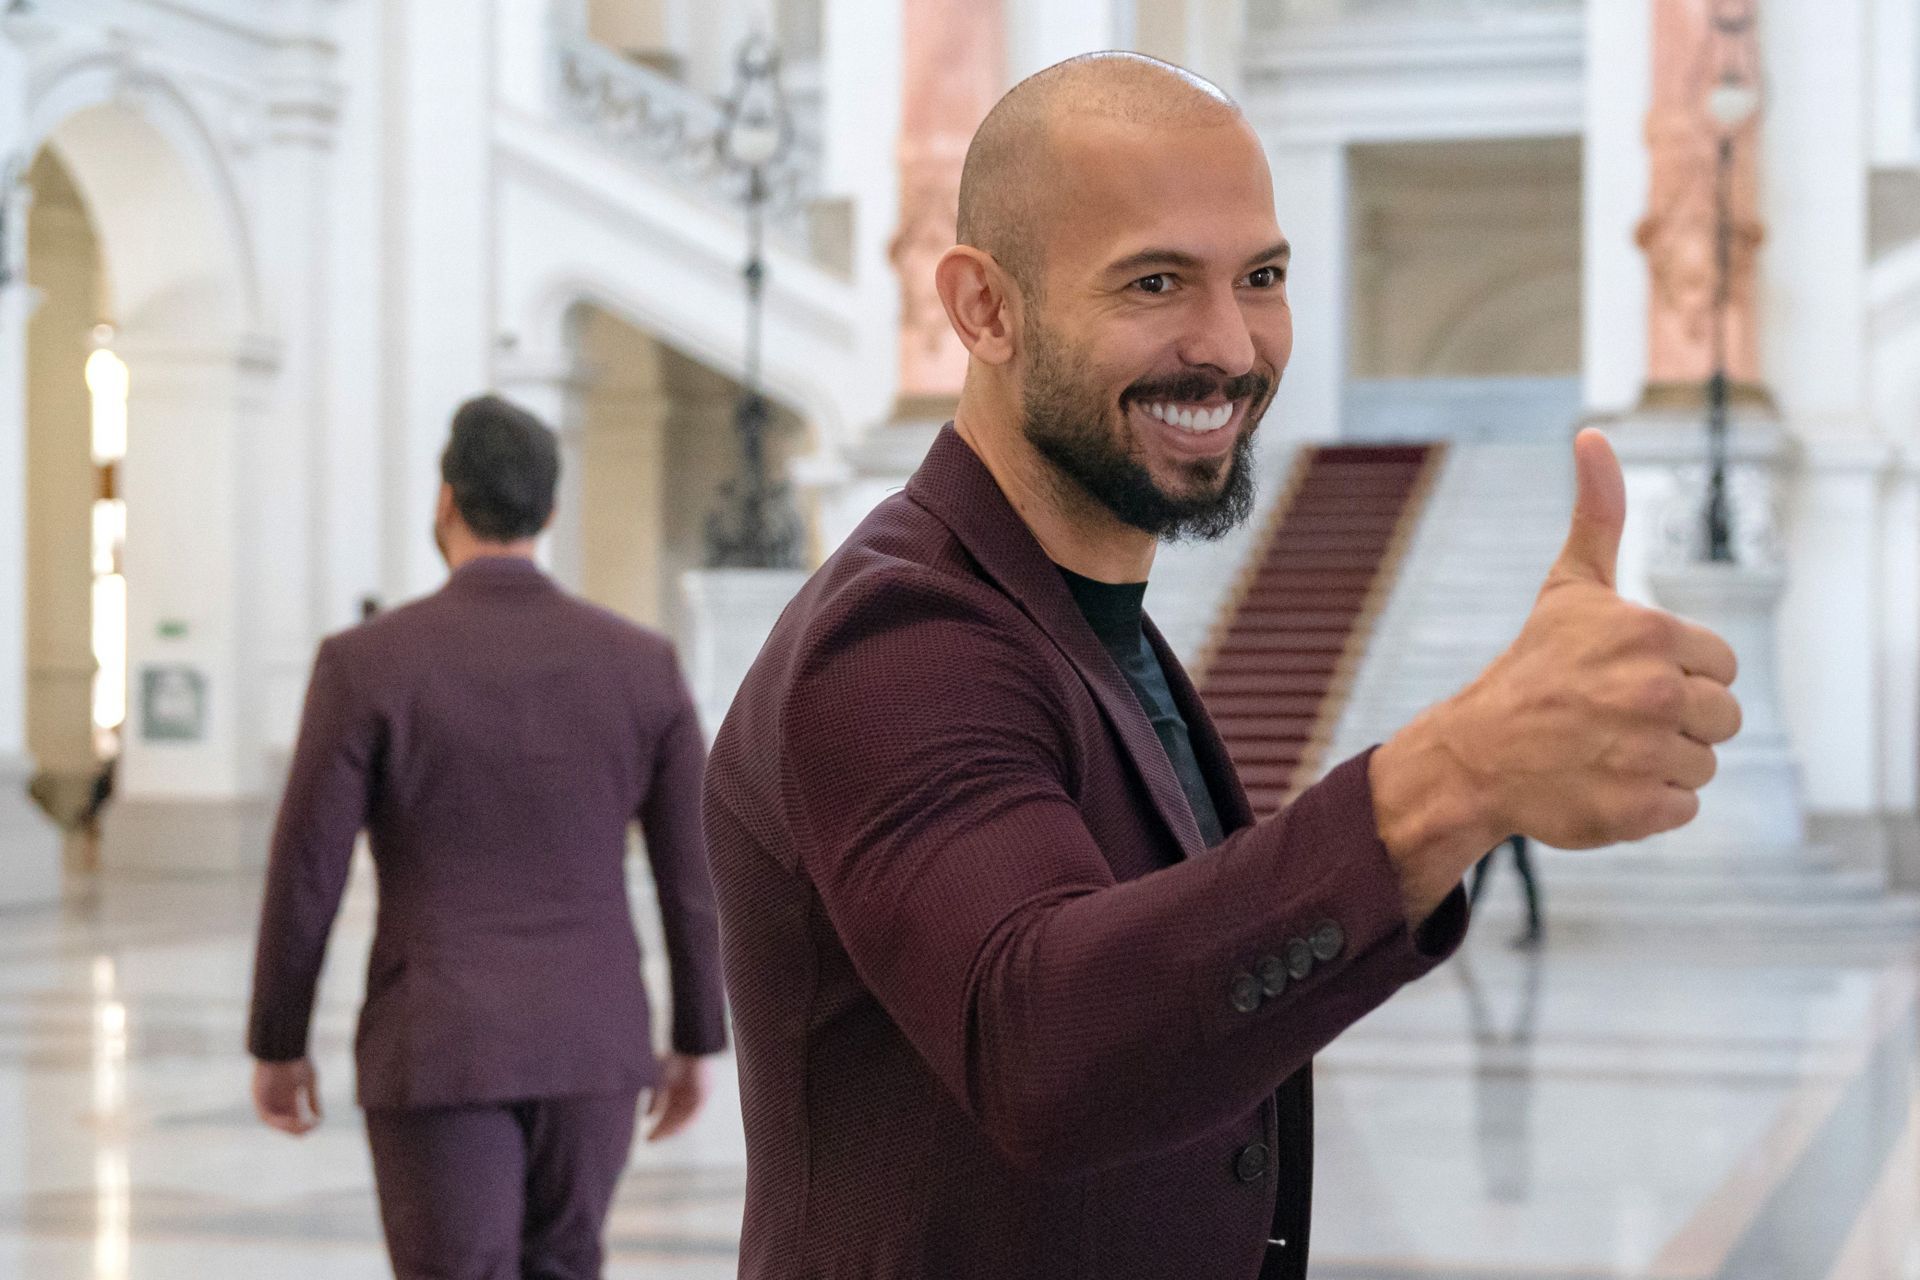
{"type": "Point", "coordinates": [1148, 259]}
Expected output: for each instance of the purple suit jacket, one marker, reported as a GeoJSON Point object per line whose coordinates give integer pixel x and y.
{"type": "Point", "coordinates": [999, 1013]}
{"type": "Point", "coordinates": [495, 740]}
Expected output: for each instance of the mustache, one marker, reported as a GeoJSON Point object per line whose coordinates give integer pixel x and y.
{"type": "Point", "coordinates": [1195, 385]}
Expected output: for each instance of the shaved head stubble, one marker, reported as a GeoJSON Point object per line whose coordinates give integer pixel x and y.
{"type": "Point", "coordinates": [1009, 209]}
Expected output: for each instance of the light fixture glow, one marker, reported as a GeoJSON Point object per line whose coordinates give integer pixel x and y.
{"type": "Point", "coordinates": [107, 380]}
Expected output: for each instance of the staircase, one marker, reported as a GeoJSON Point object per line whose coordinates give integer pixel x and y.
{"type": "Point", "coordinates": [1276, 671]}
{"type": "Point", "coordinates": [1491, 526]}
{"type": "Point", "coordinates": [611, 189]}
{"type": "Point", "coordinates": [1495, 520]}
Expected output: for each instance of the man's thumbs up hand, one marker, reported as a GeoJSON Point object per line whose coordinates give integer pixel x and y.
{"type": "Point", "coordinates": [1592, 553]}
{"type": "Point", "coordinates": [1597, 725]}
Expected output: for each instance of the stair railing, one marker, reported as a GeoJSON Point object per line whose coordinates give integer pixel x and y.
{"type": "Point", "coordinates": [647, 116]}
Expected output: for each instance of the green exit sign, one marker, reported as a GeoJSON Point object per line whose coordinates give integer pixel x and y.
{"type": "Point", "coordinates": [173, 629]}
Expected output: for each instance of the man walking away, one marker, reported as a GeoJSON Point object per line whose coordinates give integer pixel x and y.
{"type": "Point", "coordinates": [495, 740]}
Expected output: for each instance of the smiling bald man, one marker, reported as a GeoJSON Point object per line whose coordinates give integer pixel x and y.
{"type": "Point", "coordinates": [1021, 989]}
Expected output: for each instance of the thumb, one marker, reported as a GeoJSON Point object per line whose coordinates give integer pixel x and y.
{"type": "Point", "coordinates": [1592, 552]}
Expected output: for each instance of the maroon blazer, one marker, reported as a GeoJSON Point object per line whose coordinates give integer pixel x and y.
{"type": "Point", "coordinates": [495, 740]}
{"type": "Point", "coordinates": [999, 1013]}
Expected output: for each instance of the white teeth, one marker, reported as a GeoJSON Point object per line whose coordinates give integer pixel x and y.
{"type": "Point", "coordinates": [1195, 420]}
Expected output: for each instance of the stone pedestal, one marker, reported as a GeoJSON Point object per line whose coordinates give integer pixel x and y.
{"type": "Point", "coordinates": [29, 843]}
{"type": "Point", "coordinates": [1663, 455]}
{"type": "Point", "coordinates": [1752, 809]}
{"type": "Point", "coordinates": [729, 613]}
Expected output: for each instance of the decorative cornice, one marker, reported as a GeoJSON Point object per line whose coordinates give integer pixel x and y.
{"type": "Point", "coordinates": [1521, 75]}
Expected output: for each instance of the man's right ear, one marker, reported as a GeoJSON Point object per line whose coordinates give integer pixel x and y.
{"type": "Point", "coordinates": [980, 302]}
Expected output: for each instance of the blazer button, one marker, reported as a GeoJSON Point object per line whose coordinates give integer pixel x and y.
{"type": "Point", "coordinates": [1244, 993]}
{"type": "Point", "coordinates": [1251, 1164]}
{"type": "Point", "coordinates": [1299, 959]}
{"type": "Point", "coordinates": [1272, 972]}
{"type": "Point", "coordinates": [1329, 939]}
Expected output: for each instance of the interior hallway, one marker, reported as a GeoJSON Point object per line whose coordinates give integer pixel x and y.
{"type": "Point", "coordinates": [1634, 1107]}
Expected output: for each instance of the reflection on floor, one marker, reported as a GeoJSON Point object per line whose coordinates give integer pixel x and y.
{"type": "Point", "coordinates": [1638, 1108]}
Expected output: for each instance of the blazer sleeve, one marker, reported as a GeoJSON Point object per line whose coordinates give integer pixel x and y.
{"type": "Point", "coordinates": [677, 852]}
{"type": "Point", "coordinates": [321, 813]}
{"type": "Point", "coordinates": [1080, 1022]}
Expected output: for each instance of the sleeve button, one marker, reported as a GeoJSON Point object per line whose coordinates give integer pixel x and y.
{"type": "Point", "coordinates": [1272, 972]}
{"type": "Point", "coordinates": [1299, 959]}
{"type": "Point", "coordinates": [1244, 993]}
{"type": "Point", "coordinates": [1328, 941]}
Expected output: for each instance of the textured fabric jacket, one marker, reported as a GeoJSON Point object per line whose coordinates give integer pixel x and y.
{"type": "Point", "coordinates": [495, 739]}
{"type": "Point", "coordinates": [999, 1013]}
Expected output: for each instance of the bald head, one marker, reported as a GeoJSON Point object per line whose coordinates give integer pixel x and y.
{"type": "Point", "coordinates": [1014, 161]}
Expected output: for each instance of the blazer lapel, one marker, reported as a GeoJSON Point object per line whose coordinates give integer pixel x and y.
{"type": "Point", "coordinates": [956, 486]}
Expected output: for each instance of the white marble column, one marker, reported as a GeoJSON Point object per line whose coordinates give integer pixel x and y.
{"type": "Point", "coordinates": [353, 441]}
{"type": "Point", "coordinates": [29, 844]}
{"type": "Point", "coordinates": [862, 75]}
{"type": "Point", "coordinates": [1043, 32]}
{"type": "Point", "coordinates": [1895, 44]}
{"type": "Point", "coordinates": [543, 383]}
{"type": "Point", "coordinates": [281, 455]}
{"type": "Point", "coordinates": [1613, 290]}
{"type": "Point", "coordinates": [440, 294]}
{"type": "Point", "coordinates": [1814, 312]}
{"type": "Point", "coordinates": [1310, 196]}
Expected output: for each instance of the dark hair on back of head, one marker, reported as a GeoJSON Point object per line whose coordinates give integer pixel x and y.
{"type": "Point", "coordinates": [503, 466]}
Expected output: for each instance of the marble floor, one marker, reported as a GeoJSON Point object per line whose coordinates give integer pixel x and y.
{"type": "Point", "coordinates": [1634, 1106]}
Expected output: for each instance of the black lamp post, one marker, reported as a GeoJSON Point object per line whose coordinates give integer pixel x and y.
{"type": "Point", "coordinates": [754, 527]}
{"type": "Point", "coordinates": [1731, 102]}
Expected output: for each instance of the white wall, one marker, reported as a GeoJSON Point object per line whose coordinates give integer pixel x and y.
{"type": "Point", "coordinates": [1310, 197]}
{"type": "Point", "coordinates": [1466, 260]}
{"type": "Point", "coordinates": [1615, 179]}
{"type": "Point", "coordinates": [439, 297]}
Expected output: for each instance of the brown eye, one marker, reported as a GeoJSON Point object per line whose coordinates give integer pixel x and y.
{"type": "Point", "coordinates": [1264, 277]}
{"type": "Point", "coordinates": [1157, 283]}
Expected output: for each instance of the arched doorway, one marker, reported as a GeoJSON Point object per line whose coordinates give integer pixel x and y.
{"type": "Point", "coordinates": [142, 383]}
{"type": "Point", "coordinates": [1465, 291]}
{"type": "Point", "coordinates": [76, 598]}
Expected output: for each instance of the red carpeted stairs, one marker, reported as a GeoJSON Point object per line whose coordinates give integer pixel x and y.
{"type": "Point", "coordinates": [1277, 668]}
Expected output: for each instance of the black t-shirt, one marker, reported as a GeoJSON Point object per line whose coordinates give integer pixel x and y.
{"type": "Point", "coordinates": [1114, 612]}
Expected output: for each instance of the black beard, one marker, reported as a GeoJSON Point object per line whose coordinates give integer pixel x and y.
{"type": "Point", "coordinates": [1064, 419]}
